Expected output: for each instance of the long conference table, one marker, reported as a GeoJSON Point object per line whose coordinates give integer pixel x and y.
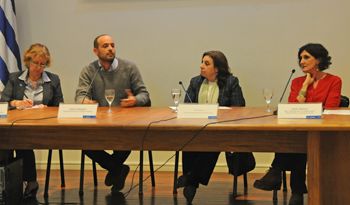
{"type": "Point", "coordinates": [326, 141]}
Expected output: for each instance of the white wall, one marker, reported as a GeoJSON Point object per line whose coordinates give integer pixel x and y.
{"type": "Point", "coordinates": [166, 39]}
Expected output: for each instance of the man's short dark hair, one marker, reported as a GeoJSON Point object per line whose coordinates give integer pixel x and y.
{"type": "Point", "coordinates": [96, 39]}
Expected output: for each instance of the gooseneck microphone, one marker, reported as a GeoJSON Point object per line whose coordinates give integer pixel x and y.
{"type": "Point", "coordinates": [276, 111]}
{"type": "Point", "coordinates": [99, 68]}
{"type": "Point", "coordinates": [185, 91]}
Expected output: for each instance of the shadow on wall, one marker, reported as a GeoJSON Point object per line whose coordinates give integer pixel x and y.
{"type": "Point", "coordinates": [112, 5]}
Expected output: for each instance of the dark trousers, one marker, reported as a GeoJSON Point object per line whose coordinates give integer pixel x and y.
{"type": "Point", "coordinates": [111, 162]}
{"type": "Point", "coordinates": [199, 166]}
{"type": "Point", "coordinates": [29, 167]}
{"type": "Point", "coordinates": [296, 163]}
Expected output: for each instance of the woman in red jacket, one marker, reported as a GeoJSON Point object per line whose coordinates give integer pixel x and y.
{"type": "Point", "coordinates": [315, 86]}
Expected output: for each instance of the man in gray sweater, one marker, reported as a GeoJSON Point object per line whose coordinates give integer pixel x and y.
{"type": "Point", "coordinates": [125, 78]}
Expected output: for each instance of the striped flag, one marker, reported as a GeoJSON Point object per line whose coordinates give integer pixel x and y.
{"type": "Point", "coordinates": [10, 59]}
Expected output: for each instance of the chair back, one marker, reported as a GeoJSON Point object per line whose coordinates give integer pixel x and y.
{"type": "Point", "coordinates": [344, 101]}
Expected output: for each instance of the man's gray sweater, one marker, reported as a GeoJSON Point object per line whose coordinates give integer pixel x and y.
{"type": "Point", "coordinates": [125, 76]}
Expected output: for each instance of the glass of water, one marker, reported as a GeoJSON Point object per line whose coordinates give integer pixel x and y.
{"type": "Point", "coordinates": [109, 94]}
{"type": "Point", "coordinates": [268, 93]}
{"type": "Point", "coordinates": [176, 94]}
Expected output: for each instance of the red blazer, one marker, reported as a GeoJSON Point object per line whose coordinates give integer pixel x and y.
{"type": "Point", "coordinates": [327, 92]}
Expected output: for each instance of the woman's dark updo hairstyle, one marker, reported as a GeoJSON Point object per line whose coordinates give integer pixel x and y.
{"type": "Point", "coordinates": [220, 62]}
{"type": "Point", "coordinates": [318, 52]}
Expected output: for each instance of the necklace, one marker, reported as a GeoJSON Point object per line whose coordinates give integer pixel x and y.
{"type": "Point", "coordinates": [323, 75]}
{"type": "Point", "coordinates": [35, 81]}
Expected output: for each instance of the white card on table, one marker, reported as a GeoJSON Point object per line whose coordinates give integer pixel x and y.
{"type": "Point", "coordinates": [197, 111]}
{"type": "Point", "coordinates": [300, 111]}
{"type": "Point", "coordinates": [3, 109]}
{"type": "Point", "coordinates": [77, 110]}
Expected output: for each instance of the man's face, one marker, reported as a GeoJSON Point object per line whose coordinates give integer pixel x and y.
{"type": "Point", "coordinates": [105, 51]}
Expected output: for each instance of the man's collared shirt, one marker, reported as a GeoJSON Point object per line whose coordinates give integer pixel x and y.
{"type": "Point", "coordinates": [113, 66]}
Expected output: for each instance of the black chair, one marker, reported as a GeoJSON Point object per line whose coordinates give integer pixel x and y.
{"type": "Point", "coordinates": [235, 177]}
{"type": "Point", "coordinates": [81, 191]}
{"type": "Point", "coordinates": [81, 186]}
{"type": "Point", "coordinates": [94, 173]}
{"type": "Point", "coordinates": [148, 104]}
{"type": "Point", "coordinates": [284, 182]}
{"type": "Point", "coordinates": [141, 171]}
{"type": "Point", "coordinates": [176, 170]}
{"type": "Point", "coordinates": [344, 102]}
{"type": "Point", "coordinates": [48, 169]}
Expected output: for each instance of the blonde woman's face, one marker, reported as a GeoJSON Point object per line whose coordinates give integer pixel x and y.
{"type": "Point", "coordinates": [37, 65]}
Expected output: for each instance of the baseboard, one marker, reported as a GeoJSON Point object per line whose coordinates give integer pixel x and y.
{"type": "Point", "coordinates": [261, 168]}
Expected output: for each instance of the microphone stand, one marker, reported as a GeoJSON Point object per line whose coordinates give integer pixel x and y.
{"type": "Point", "coordinates": [276, 111]}
{"type": "Point", "coordinates": [99, 68]}
{"type": "Point", "coordinates": [185, 91]}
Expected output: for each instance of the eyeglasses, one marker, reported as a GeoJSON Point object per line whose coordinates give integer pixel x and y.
{"type": "Point", "coordinates": [38, 64]}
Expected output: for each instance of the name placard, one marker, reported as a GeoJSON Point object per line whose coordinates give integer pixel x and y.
{"type": "Point", "coordinates": [77, 110]}
{"type": "Point", "coordinates": [197, 111]}
{"type": "Point", "coordinates": [3, 109]}
{"type": "Point", "coordinates": [300, 111]}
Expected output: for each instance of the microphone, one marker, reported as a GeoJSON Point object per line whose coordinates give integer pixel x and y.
{"type": "Point", "coordinates": [185, 91]}
{"type": "Point", "coordinates": [276, 111]}
{"type": "Point", "coordinates": [99, 68]}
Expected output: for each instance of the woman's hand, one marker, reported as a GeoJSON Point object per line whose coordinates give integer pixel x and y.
{"type": "Point", "coordinates": [310, 78]}
{"type": "Point", "coordinates": [24, 103]}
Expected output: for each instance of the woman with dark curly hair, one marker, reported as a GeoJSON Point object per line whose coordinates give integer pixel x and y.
{"type": "Point", "coordinates": [315, 86]}
{"type": "Point", "coordinates": [216, 84]}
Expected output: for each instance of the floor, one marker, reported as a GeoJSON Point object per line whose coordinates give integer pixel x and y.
{"type": "Point", "coordinates": [219, 191]}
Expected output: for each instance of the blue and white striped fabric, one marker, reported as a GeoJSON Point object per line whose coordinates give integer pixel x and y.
{"type": "Point", "coordinates": [10, 60]}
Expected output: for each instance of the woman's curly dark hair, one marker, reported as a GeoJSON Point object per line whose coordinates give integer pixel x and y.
{"type": "Point", "coordinates": [318, 52]}
{"type": "Point", "coordinates": [220, 62]}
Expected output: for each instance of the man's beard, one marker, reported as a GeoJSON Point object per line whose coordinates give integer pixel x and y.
{"type": "Point", "coordinates": [107, 58]}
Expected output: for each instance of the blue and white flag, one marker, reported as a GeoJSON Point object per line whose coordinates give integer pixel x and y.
{"type": "Point", "coordinates": [10, 59]}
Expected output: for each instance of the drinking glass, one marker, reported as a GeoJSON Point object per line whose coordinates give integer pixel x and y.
{"type": "Point", "coordinates": [268, 93]}
{"type": "Point", "coordinates": [109, 94]}
{"type": "Point", "coordinates": [176, 94]}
